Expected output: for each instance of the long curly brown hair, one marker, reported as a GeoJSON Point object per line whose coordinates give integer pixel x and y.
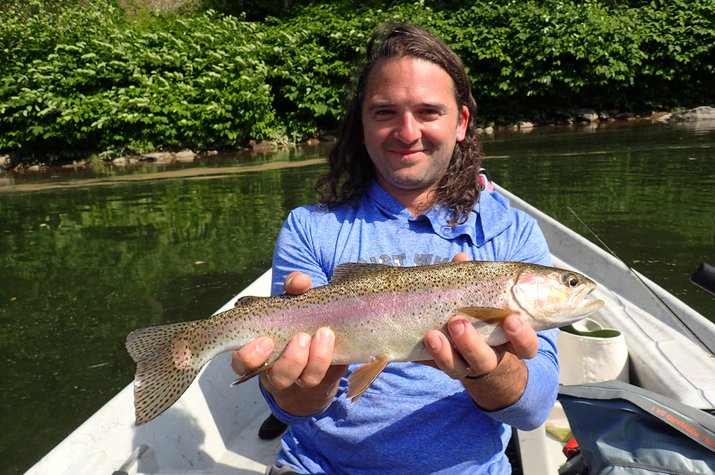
{"type": "Point", "coordinates": [350, 169]}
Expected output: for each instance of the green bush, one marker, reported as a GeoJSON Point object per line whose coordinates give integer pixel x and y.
{"type": "Point", "coordinates": [677, 38]}
{"type": "Point", "coordinates": [531, 56]}
{"type": "Point", "coordinates": [80, 76]}
{"type": "Point", "coordinates": [311, 62]}
{"type": "Point", "coordinates": [536, 57]}
{"type": "Point", "coordinates": [197, 82]}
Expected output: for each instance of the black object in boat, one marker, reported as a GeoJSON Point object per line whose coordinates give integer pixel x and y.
{"type": "Point", "coordinates": [704, 277]}
{"type": "Point", "coordinates": [271, 428]}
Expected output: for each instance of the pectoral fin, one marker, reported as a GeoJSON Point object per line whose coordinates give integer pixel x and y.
{"type": "Point", "coordinates": [361, 379]}
{"type": "Point", "coordinates": [490, 315]}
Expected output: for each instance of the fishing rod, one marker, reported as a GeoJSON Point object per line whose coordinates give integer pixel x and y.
{"type": "Point", "coordinates": [676, 318]}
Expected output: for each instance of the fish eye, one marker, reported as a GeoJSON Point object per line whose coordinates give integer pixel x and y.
{"type": "Point", "coordinates": [570, 280]}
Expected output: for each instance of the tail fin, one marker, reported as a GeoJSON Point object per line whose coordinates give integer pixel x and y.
{"type": "Point", "coordinates": [160, 378]}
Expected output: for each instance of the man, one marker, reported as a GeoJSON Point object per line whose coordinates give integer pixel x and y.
{"type": "Point", "coordinates": [402, 190]}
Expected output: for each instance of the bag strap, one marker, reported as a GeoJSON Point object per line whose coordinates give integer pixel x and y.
{"type": "Point", "coordinates": [694, 423]}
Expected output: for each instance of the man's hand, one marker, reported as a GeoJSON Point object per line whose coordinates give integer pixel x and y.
{"type": "Point", "coordinates": [478, 365]}
{"type": "Point", "coordinates": [301, 380]}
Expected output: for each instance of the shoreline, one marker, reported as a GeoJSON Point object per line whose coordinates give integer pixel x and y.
{"type": "Point", "coordinates": [583, 117]}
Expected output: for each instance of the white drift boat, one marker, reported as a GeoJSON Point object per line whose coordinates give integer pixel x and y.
{"type": "Point", "coordinates": [214, 428]}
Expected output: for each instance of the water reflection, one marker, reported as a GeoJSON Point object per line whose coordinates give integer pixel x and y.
{"type": "Point", "coordinates": [647, 190]}
{"type": "Point", "coordinates": [84, 265]}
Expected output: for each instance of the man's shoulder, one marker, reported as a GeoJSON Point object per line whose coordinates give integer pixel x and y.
{"type": "Point", "coordinates": [504, 225]}
{"type": "Point", "coordinates": [323, 219]}
{"type": "Point", "coordinates": [498, 205]}
{"type": "Point", "coordinates": [319, 213]}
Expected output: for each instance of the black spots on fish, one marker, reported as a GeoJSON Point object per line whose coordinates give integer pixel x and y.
{"type": "Point", "coordinates": [426, 279]}
{"type": "Point", "coordinates": [169, 357]}
{"type": "Point", "coordinates": [166, 366]}
{"type": "Point", "coordinates": [348, 271]}
{"type": "Point", "coordinates": [158, 384]}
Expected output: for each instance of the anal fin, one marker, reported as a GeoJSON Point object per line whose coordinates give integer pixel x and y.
{"type": "Point", "coordinates": [361, 379]}
{"type": "Point", "coordinates": [250, 374]}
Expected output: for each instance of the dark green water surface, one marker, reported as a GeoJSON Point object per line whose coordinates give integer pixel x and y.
{"type": "Point", "coordinates": [86, 257]}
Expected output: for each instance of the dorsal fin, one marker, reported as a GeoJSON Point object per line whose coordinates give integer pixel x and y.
{"type": "Point", "coordinates": [349, 270]}
{"type": "Point", "coordinates": [246, 299]}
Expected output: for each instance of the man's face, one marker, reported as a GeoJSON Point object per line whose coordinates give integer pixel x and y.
{"type": "Point", "coordinates": [411, 124]}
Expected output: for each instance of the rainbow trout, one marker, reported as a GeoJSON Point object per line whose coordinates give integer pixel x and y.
{"type": "Point", "coordinates": [379, 314]}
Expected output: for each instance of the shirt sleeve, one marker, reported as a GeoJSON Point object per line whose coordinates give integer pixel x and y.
{"type": "Point", "coordinates": [296, 251]}
{"type": "Point", "coordinates": [535, 404]}
{"type": "Point", "coordinates": [528, 242]}
{"type": "Point", "coordinates": [282, 415]}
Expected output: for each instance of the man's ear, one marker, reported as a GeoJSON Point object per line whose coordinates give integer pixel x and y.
{"type": "Point", "coordinates": [462, 123]}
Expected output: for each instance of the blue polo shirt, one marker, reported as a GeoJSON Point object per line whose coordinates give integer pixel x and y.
{"type": "Point", "coordinates": [414, 418]}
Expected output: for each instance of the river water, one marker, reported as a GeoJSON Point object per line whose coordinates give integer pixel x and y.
{"type": "Point", "coordinates": [88, 256]}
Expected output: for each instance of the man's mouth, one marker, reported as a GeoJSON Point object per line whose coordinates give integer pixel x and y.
{"type": "Point", "coordinates": [406, 153]}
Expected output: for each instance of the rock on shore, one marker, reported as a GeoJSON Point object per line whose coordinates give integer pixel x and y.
{"type": "Point", "coordinates": [693, 115]}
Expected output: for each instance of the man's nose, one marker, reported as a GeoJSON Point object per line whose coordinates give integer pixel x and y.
{"type": "Point", "coordinates": [408, 128]}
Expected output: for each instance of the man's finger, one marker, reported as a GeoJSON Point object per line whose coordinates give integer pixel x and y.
{"type": "Point", "coordinates": [445, 358]}
{"type": "Point", "coordinates": [287, 369]}
{"type": "Point", "coordinates": [321, 353]}
{"type": "Point", "coordinates": [461, 257]}
{"type": "Point", "coordinates": [251, 356]}
{"type": "Point", "coordinates": [479, 357]}
{"type": "Point", "coordinates": [297, 283]}
{"type": "Point", "coordinates": [522, 337]}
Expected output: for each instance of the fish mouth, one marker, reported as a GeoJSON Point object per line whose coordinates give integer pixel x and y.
{"type": "Point", "coordinates": [584, 305]}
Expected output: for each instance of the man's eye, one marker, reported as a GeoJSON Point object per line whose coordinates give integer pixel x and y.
{"type": "Point", "coordinates": [431, 114]}
{"type": "Point", "coordinates": [383, 114]}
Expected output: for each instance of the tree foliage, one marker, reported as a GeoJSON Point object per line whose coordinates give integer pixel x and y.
{"type": "Point", "coordinates": [81, 77]}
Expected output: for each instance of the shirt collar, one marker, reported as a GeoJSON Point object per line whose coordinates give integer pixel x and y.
{"type": "Point", "coordinates": [488, 219]}
{"type": "Point", "coordinates": [386, 203]}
